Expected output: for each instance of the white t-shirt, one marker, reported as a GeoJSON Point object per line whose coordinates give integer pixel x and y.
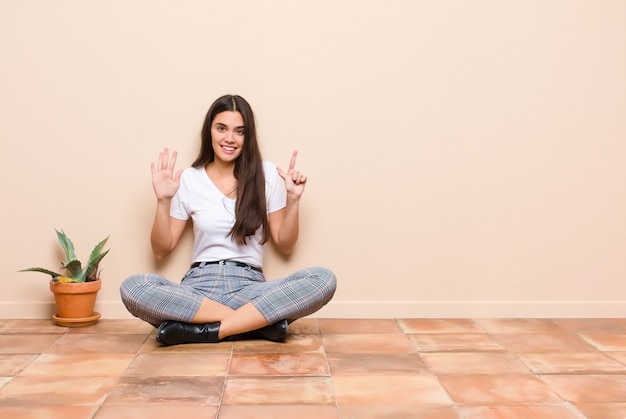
{"type": "Point", "coordinates": [213, 215]}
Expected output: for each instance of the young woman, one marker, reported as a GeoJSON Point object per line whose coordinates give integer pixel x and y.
{"type": "Point", "coordinates": [237, 202]}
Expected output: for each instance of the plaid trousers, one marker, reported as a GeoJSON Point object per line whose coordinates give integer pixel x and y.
{"type": "Point", "coordinates": [154, 299]}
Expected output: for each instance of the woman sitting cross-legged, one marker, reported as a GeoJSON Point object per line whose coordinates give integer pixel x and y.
{"type": "Point", "coordinates": [237, 202]}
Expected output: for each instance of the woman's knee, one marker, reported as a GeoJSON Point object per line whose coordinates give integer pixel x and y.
{"type": "Point", "coordinates": [134, 288]}
{"type": "Point", "coordinates": [129, 286]}
{"type": "Point", "coordinates": [129, 292]}
{"type": "Point", "coordinates": [327, 281]}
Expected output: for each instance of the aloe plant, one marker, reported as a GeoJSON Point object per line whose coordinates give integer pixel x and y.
{"type": "Point", "coordinates": [73, 266]}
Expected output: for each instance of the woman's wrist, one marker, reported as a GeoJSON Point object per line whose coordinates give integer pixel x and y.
{"type": "Point", "coordinates": [164, 201]}
{"type": "Point", "coordinates": [292, 200]}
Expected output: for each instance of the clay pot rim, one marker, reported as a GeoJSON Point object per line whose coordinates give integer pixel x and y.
{"type": "Point", "coordinates": [75, 287]}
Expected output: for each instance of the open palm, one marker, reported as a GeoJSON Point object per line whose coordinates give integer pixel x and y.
{"type": "Point", "coordinates": [164, 180]}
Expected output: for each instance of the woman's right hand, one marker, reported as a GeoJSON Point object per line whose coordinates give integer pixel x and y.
{"type": "Point", "coordinates": [164, 181]}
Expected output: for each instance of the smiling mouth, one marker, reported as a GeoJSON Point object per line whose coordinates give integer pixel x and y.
{"type": "Point", "coordinates": [228, 149]}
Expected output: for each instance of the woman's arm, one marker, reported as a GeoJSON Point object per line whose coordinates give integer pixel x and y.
{"type": "Point", "coordinates": [166, 230]}
{"type": "Point", "coordinates": [285, 227]}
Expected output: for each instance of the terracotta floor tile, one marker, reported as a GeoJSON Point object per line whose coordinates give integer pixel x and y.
{"type": "Point", "coordinates": [152, 346]}
{"type": "Point", "coordinates": [438, 326]}
{"type": "Point", "coordinates": [278, 390]}
{"type": "Point", "coordinates": [455, 342]}
{"type": "Point", "coordinates": [30, 327]}
{"type": "Point", "coordinates": [78, 364]}
{"type": "Point", "coordinates": [504, 326]}
{"type": "Point", "coordinates": [116, 327]}
{"type": "Point", "coordinates": [397, 411]}
{"type": "Point", "coordinates": [367, 343]}
{"type": "Point", "coordinates": [164, 411]}
{"type": "Point", "coordinates": [306, 326]}
{"type": "Point", "coordinates": [26, 344]}
{"type": "Point", "coordinates": [498, 390]}
{"type": "Point", "coordinates": [572, 363]}
{"type": "Point", "coordinates": [389, 389]}
{"type": "Point", "coordinates": [589, 388]}
{"type": "Point", "coordinates": [547, 411]}
{"type": "Point", "coordinates": [167, 391]}
{"type": "Point", "coordinates": [293, 344]}
{"type": "Point", "coordinates": [618, 356]}
{"type": "Point", "coordinates": [48, 412]}
{"type": "Point", "coordinates": [380, 363]}
{"type": "Point", "coordinates": [301, 364]}
{"type": "Point", "coordinates": [470, 363]}
{"type": "Point", "coordinates": [602, 410]}
{"type": "Point", "coordinates": [592, 325]}
{"type": "Point", "coordinates": [56, 391]}
{"type": "Point", "coordinates": [179, 365]}
{"type": "Point", "coordinates": [309, 411]}
{"type": "Point", "coordinates": [11, 365]}
{"type": "Point", "coordinates": [112, 344]}
{"type": "Point", "coordinates": [370, 326]}
{"type": "Point", "coordinates": [544, 342]}
{"type": "Point", "coordinates": [606, 341]}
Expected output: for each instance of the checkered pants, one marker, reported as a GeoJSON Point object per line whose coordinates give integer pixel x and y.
{"type": "Point", "coordinates": [155, 299]}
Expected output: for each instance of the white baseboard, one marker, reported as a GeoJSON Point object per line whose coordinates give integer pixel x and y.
{"type": "Point", "coordinates": [383, 309]}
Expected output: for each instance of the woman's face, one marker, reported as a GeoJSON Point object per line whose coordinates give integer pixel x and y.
{"type": "Point", "coordinates": [228, 135]}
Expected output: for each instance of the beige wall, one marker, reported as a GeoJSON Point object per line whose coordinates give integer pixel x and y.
{"type": "Point", "coordinates": [465, 158]}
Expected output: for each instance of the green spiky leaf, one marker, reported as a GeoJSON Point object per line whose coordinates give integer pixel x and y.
{"type": "Point", "coordinates": [92, 269]}
{"type": "Point", "coordinates": [96, 252]}
{"type": "Point", "coordinates": [42, 270]}
{"type": "Point", "coordinates": [91, 272]}
{"type": "Point", "coordinates": [67, 245]}
{"type": "Point", "coordinates": [74, 268]}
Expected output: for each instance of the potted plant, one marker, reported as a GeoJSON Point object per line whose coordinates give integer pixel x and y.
{"type": "Point", "coordinates": [75, 293]}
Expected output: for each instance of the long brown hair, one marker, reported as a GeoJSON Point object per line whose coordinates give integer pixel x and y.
{"type": "Point", "coordinates": [251, 207]}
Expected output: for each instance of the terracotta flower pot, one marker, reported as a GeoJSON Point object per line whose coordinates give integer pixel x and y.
{"type": "Point", "coordinates": [75, 302]}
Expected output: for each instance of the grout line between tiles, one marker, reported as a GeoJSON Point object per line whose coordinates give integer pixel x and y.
{"type": "Point", "coordinates": [119, 376]}
{"type": "Point", "coordinates": [455, 406]}
{"type": "Point", "coordinates": [330, 376]}
{"type": "Point", "coordinates": [226, 375]}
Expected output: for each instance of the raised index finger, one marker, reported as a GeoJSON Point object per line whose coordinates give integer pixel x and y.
{"type": "Point", "coordinates": [292, 163]}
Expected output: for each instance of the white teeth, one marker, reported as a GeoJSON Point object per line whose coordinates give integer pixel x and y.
{"type": "Point", "coordinates": [228, 148]}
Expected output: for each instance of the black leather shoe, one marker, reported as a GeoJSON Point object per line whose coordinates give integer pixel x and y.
{"type": "Point", "coordinates": [276, 332]}
{"type": "Point", "coordinates": [174, 333]}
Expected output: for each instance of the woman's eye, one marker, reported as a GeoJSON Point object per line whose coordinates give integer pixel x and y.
{"type": "Point", "coordinates": [240, 131]}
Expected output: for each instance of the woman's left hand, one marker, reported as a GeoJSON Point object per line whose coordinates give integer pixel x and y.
{"type": "Point", "coordinates": [294, 180]}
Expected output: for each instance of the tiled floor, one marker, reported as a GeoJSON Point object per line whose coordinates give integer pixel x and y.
{"type": "Point", "coordinates": [328, 368]}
